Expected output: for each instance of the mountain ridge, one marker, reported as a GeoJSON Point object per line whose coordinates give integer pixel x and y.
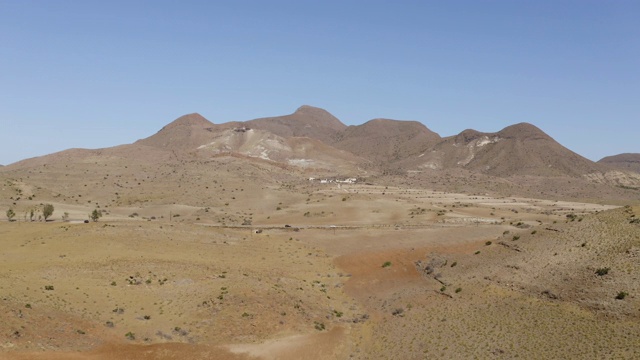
{"type": "Point", "coordinates": [311, 137]}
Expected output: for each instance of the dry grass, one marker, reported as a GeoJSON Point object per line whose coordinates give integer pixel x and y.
{"type": "Point", "coordinates": [524, 283]}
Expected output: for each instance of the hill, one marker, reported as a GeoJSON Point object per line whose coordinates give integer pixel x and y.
{"type": "Point", "coordinates": [306, 121]}
{"type": "Point", "coordinates": [520, 149]}
{"type": "Point", "coordinates": [625, 162]}
{"type": "Point", "coordinates": [386, 141]}
{"type": "Point", "coordinates": [302, 152]}
{"type": "Point", "coordinates": [185, 133]}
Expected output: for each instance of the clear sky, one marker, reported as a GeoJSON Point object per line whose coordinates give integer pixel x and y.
{"type": "Point", "coordinates": [91, 74]}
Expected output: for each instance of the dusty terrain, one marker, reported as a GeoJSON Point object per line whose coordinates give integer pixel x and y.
{"type": "Point", "coordinates": [361, 271]}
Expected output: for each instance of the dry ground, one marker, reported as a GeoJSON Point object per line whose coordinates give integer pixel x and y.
{"type": "Point", "coordinates": [364, 272]}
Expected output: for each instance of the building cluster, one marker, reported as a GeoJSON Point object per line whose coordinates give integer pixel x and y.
{"type": "Point", "coordinates": [337, 181]}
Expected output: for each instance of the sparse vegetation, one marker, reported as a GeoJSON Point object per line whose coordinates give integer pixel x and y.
{"type": "Point", "coordinates": [47, 211]}
{"type": "Point", "coordinates": [621, 295]}
{"type": "Point", "coordinates": [95, 215]}
{"type": "Point", "coordinates": [10, 215]}
{"type": "Point", "coordinates": [230, 286]}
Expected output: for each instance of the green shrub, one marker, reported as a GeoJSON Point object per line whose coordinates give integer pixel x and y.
{"type": "Point", "coordinates": [386, 264]}
{"type": "Point", "coordinates": [621, 295]}
{"type": "Point", "coordinates": [10, 214]}
{"type": "Point", "coordinates": [47, 211]}
{"type": "Point", "coordinates": [602, 271]}
{"type": "Point", "coordinates": [95, 215]}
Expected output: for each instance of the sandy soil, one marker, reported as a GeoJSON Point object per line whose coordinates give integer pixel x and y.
{"type": "Point", "coordinates": [345, 279]}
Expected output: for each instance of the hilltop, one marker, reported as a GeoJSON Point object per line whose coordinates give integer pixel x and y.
{"type": "Point", "coordinates": [306, 121]}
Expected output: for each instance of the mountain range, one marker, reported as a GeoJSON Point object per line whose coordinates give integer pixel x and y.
{"type": "Point", "coordinates": [311, 141]}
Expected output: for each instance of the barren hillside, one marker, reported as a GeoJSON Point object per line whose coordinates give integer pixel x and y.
{"type": "Point", "coordinates": [385, 141]}
{"type": "Point", "coordinates": [520, 149]}
{"type": "Point", "coordinates": [185, 133]}
{"type": "Point", "coordinates": [302, 152]}
{"type": "Point", "coordinates": [307, 121]}
{"type": "Point", "coordinates": [625, 162]}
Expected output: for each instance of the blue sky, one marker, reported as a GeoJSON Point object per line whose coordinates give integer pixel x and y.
{"type": "Point", "coordinates": [95, 74]}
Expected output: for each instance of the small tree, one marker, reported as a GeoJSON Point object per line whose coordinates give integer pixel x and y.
{"type": "Point", "coordinates": [31, 214]}
{"type": "Point", "coordinates": [95, 215]}
{"type": "Point", "coordinates": [47, 211]}
{"type": "Point", "coordinates": [10, 214]}
{"type": "Point", "coordinates": [65, 216]}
